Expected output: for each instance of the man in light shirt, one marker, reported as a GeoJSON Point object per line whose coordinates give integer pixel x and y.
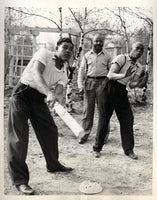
{"type": "Point", "coordinates": [124, 70]}
{"type": "Point", "coordinates": [92, 73]}
{"type": "Point", "coordinates": [45, 71]}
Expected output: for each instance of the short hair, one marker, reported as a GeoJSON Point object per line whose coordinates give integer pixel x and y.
{"type": "Point", "coordinates": [65, 39]}
{"type": "Point", "coordinates": [138, 44]}
{"type": "Point", "coordinates": [98, 35]}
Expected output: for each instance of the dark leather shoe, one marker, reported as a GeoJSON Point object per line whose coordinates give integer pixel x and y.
{"type": "Point", "coordinates": [25, 189]}
{"type": "Point", "coordinates": [81, 141]}
{"type": "Point", "coordinates": [132, 156]}
{"type": "Point", "coordinates": [96, 154]}
{"type": "Point", "coordinates": [61, 168]}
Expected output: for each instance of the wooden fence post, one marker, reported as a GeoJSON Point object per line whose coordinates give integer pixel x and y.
{"type": "Point", "coordinates": [11, 64]}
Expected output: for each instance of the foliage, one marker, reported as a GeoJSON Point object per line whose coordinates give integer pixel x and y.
{"type": "Point", "coordinates": [142, 96]}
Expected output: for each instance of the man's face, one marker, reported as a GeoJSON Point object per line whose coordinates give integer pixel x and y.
{"type": "Point", "coordinates": [137, 51]}
{"type": "Point", "coordinates": [98, 42]}
{"type": "Point", "coordinates": [65, 51]}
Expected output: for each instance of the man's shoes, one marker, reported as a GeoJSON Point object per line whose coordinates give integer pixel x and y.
{"type": "Point", "coordinates": [61, 168]}
{"type": "Point", "coordinates": [96, 154]}
{"type": "Point", "coordinates": [132, 156]}
{"type": "Point", "coordinates": [81, 141]}
{"type": "Point", "coordinates": [25, 189]}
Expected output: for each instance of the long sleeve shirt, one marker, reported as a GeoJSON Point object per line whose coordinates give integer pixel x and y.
{"type": "Point", "coordinates": [93, 65]}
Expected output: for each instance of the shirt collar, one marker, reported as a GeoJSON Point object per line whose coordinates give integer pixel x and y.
{"type": "Point", "coordinates": [92, 52]}
{"type": "Point", "coordinates": [129, 59]}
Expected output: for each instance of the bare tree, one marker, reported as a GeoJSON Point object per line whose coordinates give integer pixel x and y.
{"type": "Point", "coordinates": [61, 22]}
{"type": "Point", "coordinates": [146, 16]}
{"type": "Point", "coordinates": [21, 10]}
{"type": "Point", "coordinates": [119, 13]}
{"type": "Point", "coordinates": [81, 24]}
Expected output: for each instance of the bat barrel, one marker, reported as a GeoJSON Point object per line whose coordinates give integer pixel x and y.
{"type": "Point", "coordinates": [68, 119]}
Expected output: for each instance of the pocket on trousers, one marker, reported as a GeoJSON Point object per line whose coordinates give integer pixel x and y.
{"type": "Point", "coordinates": [17, 104]}
{"type": "Point", "coordinates": [88, 85]}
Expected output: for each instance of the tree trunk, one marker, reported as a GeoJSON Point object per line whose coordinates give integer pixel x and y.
{"type": "Point", "coordinates": [148, 63]}
{"type": "Point", "coordinates": [70, 75]}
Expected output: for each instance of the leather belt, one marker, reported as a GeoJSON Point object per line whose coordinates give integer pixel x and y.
{"type": "Point", "coordinates": [96, 77]}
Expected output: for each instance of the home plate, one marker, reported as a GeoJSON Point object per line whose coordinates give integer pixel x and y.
{"type": "Point", "coordinates": [90, 187]}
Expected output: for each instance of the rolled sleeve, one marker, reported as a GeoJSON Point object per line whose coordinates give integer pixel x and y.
{"type": "Point", "coordinates": [119, 60]}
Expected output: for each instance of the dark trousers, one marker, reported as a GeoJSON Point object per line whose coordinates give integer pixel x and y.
{"type": "Point", "coordinates": [114, 97]}
{"type": "Point", "coordinates": [92, 92]}
{"type": "Point", "coordinates": [27, 103]}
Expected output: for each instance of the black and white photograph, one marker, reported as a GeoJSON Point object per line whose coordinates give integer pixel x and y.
{"type": "Point", "coordinates": [78, 103]}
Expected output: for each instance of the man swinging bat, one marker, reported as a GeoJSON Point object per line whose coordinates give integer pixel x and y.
{"type": "Point", "coordinates": [46, 70]}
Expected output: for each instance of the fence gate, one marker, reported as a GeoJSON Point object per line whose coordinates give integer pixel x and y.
{"type": "Point", "coordinates": [20, 49]}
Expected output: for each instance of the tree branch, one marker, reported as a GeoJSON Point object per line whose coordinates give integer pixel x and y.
{"type": "Point", "coordinates": [99, 29]}
{"type": "Point", "coordinates": [78, 22]}
{"type": "Point", "coordinates": [37, 15]}
{"type": "Point", "coordinates": [140, 15]}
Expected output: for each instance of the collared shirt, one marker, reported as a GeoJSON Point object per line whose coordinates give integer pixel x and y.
{"type": "Point", "coordinates": [93, 65]}
{"type": "Point", "coordinates": [124, 62]}
{"type": "Point", "coordinates": [51, 74]}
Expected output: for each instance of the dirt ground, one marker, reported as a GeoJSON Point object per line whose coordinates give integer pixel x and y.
{"type": "Point", "coordinates": [117, 174]}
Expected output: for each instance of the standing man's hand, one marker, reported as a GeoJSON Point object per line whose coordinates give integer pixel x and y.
{"type": "Point", "coordinates": [130, 71]}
